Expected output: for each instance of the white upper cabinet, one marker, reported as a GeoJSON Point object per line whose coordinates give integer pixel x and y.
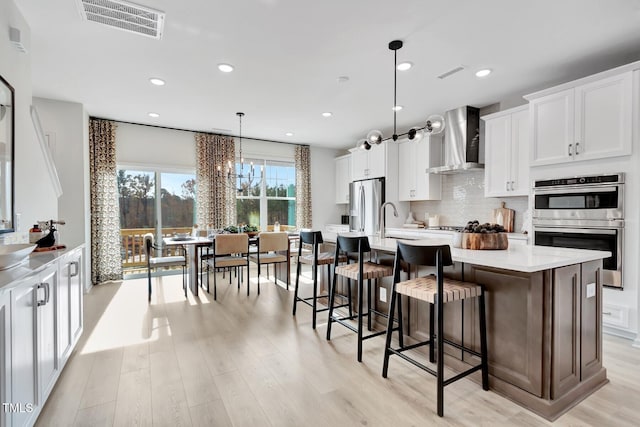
{"type": "Point", "coordinates": [506, 170]}
{"type": "Point", "coordinates": [414, 158]}
{"type": "Point", "coordinates": [370, 163]}
{"type": "Point", "coordinates": [343, 178]}
{"type": "Point", "coordinates": [589, 121]}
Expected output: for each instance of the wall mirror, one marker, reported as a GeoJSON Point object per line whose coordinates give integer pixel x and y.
{"type": "Point", "coordinates": [7, 124]}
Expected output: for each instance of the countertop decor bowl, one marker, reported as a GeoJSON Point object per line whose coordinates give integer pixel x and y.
{"type": "Point", "coordinates": [182, 236]}
{"type": "Point", "coordinates": [490, 241]}
{"type": "Point", "coordinates": [13, 254]}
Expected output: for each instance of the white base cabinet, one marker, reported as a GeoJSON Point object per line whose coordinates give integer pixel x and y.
{"type": "Point", "coordinates": [589, 121]}
{"type": "Point", "coordinates": [506, 171]}
{"type": "Point", "coordinates": [40, 323]}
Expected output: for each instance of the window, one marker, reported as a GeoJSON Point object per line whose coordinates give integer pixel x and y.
{"type": "Point", "coordinates": [152, 201]}
{"type": "Point", "coordinates": [261, 201]}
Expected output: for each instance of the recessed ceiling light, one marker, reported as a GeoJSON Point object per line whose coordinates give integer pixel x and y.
{"type": "Point", "coordinates": [225, 68]}
{"type": "Point", "coordinates": [289, 134]}
{"type": "Point", "coordinates": [483, 73]}
{"type": "Point", "coordinates": [327, 114]}
{"type": "Point", "coordinates": [404, 66]}
{"type": "Point", "coordinates": [397, 108]}
{"type": "Point", "coordinates": [156, 81]}
{"type": "Point", "coordinates": [154, 115]}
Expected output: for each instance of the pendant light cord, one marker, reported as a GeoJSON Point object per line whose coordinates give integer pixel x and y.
{"type": "Point", "coordinates": [395, 86]}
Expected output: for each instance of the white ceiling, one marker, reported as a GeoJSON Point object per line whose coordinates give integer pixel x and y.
{"type": "Point", "coordinates": [288, 55]}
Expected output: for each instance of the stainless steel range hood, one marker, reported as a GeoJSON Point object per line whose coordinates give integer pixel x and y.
{"type": "Point", "coordinates": [462, 148]}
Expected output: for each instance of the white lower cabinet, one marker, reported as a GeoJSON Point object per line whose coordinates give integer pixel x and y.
{"type": "Point", "coordinates": [5, 357]}
{"type": "Point", "coordinates": [40, 323]}
{"type": "Point", "coordinates": [24, 392]}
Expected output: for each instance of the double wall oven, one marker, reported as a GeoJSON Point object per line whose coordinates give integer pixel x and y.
{"type": "Point", "coordinates": [584, 212]}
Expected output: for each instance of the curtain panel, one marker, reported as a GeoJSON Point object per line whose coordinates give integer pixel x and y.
{"type": "Point", "coordinates": [303, 186]}
{"type": "Point", "coordinates": [106, 261]}
{"type": "Point", "coordinates": [215, 198]}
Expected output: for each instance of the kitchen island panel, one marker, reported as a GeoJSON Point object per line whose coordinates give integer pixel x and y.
{"type": "Point", "coordinates": [515, 325]}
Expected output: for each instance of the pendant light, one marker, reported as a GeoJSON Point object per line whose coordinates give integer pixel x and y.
{"type": "Point", "coordinates": [434, 125]}
{"type": "Point", "coordinates": [236, 178]}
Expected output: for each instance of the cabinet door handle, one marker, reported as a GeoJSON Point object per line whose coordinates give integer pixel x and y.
{"type": "Point", "coordinates": [506, 185]}
{"type": "Point", "coordinates": [76, 268]}
{"type": "Point", "coordinates": [512, 186]}
{"type": "Point", "coordinates": [46, 293]}
{"type": "Point", "coordinates": [570, 147]}
{"type": "Point", "coordinates": [576, 150]}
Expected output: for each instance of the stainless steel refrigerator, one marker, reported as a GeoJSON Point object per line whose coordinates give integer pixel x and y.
{"type": "Point", "coordinates": [365, 199]}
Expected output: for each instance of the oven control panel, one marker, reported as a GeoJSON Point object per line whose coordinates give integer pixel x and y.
{"type": "Point", "coordinates": [581, 180]}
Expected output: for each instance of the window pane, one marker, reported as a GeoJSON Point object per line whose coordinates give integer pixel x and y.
{"type": "Point", "coordinates": [137, 199]}
{"type": "Point", "coordinates": [248, 178]}
{"type": "Point", "coordinates": [283, 211]}
{"type": "Point", "coordinates": [248, 211]}
{"type": "Point", "coordinates": [280, 180]}
{"type": "Point", "coordinates": [177, 199]}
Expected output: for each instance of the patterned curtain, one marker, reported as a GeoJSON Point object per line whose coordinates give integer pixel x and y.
{"type": "Point", "coordinates": [215, 199]}
{"type": "Point", "coordinates": [303, 186]}
{"type": "Point", "coordinates": [106, 262]}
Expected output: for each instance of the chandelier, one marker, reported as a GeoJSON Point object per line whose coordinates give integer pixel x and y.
{"type": "Point", "coordinates": [434, 125]}
{"type": "Point", "coordinates": [239, 178]}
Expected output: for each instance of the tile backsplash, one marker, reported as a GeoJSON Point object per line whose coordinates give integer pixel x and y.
{"type": "Point", "coordinates": [463, 200]}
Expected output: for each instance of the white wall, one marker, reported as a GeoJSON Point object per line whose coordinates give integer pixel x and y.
{"type": "Point", "coordinates": [34, 197]}
{"type": "Point", "coordinates": [64, 123]}
{"type": "Point", "coordinates": [323, 183]}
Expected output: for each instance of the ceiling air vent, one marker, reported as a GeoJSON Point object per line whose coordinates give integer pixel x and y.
{"type": "Point", "coordinates": [450, 72]}
{"type": "Point", "coordinates": [124, 16]}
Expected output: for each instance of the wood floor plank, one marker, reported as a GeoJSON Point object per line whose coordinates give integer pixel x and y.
{"type": "Point", "coordinates": [96, 416]}
{"type": "Point", "coordinates": [246, 361]}
{"type": "Point", "coordinates": [133, 406]}
{"type": "Point", "coordinates": [210, 414]}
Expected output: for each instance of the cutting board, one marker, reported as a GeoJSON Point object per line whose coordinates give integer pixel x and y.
{"type": "Point", "coordinates": [50, 248]}
{"type": "Point", "coordinates": [508, 217]}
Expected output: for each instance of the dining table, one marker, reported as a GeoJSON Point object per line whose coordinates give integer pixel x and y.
{"type": "Point", "coordinates": [193, 247]}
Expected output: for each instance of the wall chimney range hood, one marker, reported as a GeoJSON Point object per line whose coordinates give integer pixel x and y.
{"type": "Point", "coordinates": [462, 148]}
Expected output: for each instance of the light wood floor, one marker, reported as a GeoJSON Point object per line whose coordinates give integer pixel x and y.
{"type": "Point", "coordinates": [246, 361]}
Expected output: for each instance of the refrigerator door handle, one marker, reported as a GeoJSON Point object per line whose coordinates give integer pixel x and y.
{"type": "Point", "coordinates": [362, 209]}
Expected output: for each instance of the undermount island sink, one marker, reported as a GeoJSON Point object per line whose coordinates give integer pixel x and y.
{"type": "Point", "coordinates": [13, 254]}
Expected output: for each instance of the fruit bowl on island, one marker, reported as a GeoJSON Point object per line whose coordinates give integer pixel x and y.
{"type": "Point", "coordinates": [484, 236]}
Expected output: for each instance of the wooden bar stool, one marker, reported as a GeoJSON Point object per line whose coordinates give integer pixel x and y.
{"type": "Point", "coordinates": [436, 290]}
{"type": "Point", "coordinates": [316, 258]}
{"type": "Point", "coordinates": [360, 271]}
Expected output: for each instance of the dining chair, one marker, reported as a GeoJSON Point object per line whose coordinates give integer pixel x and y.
{"type": "Point", "coordinates": [269, 250]}
{"type": "Point", "coordinates": [163, 261]}
{"type": "Point", "coordinates": [436, 290]}
{"type": "Point", "coordinates": [229, 251]}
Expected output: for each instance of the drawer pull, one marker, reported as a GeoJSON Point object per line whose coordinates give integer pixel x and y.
{"type": "Point", "coordinates": [607, 313]}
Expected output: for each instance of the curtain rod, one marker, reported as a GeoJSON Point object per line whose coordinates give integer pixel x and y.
{"type": "Point", "coordinates": [197, 131]}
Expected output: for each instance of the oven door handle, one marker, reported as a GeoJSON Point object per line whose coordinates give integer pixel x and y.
{"type": "Point", "coordinates": [575, 230]}
{"type": "Point", "coordinates": [572, 190]}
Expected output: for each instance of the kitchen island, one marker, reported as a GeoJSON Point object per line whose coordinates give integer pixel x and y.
{"type": "Point", "coordinates": [544, 326]}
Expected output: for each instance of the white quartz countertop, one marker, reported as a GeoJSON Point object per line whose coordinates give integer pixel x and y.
{"type": "Point", "coordinates": [418, 233]}
{"type": "Point", "coordinates": [34, 263]}
{"type": "Point", "coordinates": [524, 258]}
